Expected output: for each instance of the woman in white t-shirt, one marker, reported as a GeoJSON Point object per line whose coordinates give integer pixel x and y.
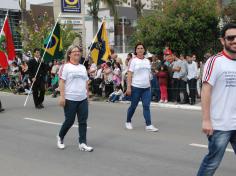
{"type": "Point", "coordinates": [138, 86]}
{"type": "Point", "coordinates": [74, 92]}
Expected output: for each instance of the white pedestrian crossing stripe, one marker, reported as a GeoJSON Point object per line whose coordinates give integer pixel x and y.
{"type": "Point", "coordinates": [48, 122]}
{"type": "Point", "coordinates": [205, 146]}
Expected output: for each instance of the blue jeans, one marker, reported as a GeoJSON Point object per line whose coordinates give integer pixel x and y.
{"type": "Point", "coordinates": [71, 109]}
{"type": "Point", "coordinates": [114, 98]}
{"type": "Point", "coordinates": [155, 88]}
{"type": "Point", "coordinates": [145, 95]}
{"type": "Point", "coordinates": [217, 144]}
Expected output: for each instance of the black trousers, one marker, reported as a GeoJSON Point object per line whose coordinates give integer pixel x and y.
{"type": "Point", "coordinates": [176, 89]}
{"type": "Point", "coordinates": [97, 89]}
{"type": "Point", "coordinates": [108, 88]}
{"type": "Point", "coordinates": [71, 110]}
{"type": "Point", "coordinates": [38, 92]}
{"type": "Point", "coordinates": [183, 90]}
{"type": "Point", "coordinates": [0, 104]}
{"type": "Point", "coordinates": [192, 84]}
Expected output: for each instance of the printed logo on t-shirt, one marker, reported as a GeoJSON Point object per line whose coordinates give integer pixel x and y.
{"type": "Point", "coordinates": [76, 75]}
{"type": "Point", "coordinates": [230, 77]}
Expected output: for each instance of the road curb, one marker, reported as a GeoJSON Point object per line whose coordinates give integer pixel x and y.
{"type": "Point", "coordinates": [169, 105]}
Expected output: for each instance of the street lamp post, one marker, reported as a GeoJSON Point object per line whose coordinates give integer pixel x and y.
{"type": "Point", "coordinates": [123, 34]}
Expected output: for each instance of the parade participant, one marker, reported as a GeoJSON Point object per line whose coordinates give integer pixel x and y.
{"type": "Point", "coordinates": [74, 92]}
{"type": "Point", "coordinates": [38, 80]}
{"type": "Point", "coordinates": [138, 86]}
{"type": "Point", "coordinates": [218, 102]}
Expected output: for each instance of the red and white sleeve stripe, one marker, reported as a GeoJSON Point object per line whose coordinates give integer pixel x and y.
{"type": "Point", "coordinates": [210, 67]}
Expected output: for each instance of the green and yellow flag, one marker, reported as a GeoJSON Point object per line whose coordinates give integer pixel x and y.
{"type": "Point", "coordinates": [100, 49]}
{"type": "Point", "coordinates": [54, 51]}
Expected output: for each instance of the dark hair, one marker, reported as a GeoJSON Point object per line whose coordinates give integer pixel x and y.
{"type": "Point", "coordinates": [130, 54]}
{"type": "Point", "coordinates": [112, 50]}
{"type": "Point", "coordinates": [108, 64]}
{"type": "Point", "coordinates": [165, 68]}
{"type": "Point", "coordinates": [226, 27]}
{"type": "Point", "coordinates": [150, 59]}
{"type": "Point", "coordinates": [139, 43]}
{"type": "Point", "coordinates": [119, 87]}
{"type": "Point", "coordinates": [36, 49]}
{"type": "Point", "coordinates": [176, 54]}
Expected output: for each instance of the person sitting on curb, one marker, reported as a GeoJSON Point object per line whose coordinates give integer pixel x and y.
{"type": "Point", "coordinates": [115, 96]}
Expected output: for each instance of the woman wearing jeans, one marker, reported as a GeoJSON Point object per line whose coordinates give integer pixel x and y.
{"type": "Point", "coordinates": [74, 92]}
{"type": "Point", "coordinates": [138, 86]}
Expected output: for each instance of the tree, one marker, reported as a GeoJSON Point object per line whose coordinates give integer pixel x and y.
{"type": "Point", "coordinates": [34, 35]}
{"type": "Point", "coordinates": [94, 7]}
{"type": "Point", "coordinates": [228, 12]}
{"type": "Point", "coordinates": [188, 26]}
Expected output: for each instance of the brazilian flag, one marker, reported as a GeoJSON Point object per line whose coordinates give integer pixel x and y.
{"type": "Point", "coordinates": [100, 49]}
{"type": "Point", "coordinates": [54, 51]}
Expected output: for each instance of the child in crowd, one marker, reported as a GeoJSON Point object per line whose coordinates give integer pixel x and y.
{"type": "Point", "coordinates": [117, 74]}
{"type": "Point", "coordinates": [54, 85]}
{"type": "Point", "coordinates": [162, 76]}
{"type": "Point", "coordinates": [115, 96]}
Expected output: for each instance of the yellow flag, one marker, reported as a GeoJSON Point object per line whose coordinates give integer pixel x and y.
{"type": "Point", "coordinates": [100, 49]}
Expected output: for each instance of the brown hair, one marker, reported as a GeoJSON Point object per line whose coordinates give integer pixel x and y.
{"type": "Point", "coordinates": [139, 43]}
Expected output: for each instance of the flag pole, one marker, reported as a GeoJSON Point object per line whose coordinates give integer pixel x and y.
{"type": "Point", "coordinates": [94, 38]}
{"type": "Point", "coordinates": [4, 23]}
{"type": "Point", "coordinates": [42, 59]}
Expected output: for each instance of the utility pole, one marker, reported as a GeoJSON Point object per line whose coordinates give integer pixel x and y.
{"type": "Point", "coordinates": [123, 34]}
{"type": "Point", "coordinates": [22, 4]}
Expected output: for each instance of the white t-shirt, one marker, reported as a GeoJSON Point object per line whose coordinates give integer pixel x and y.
{"type": "Point", "coordinates": [192, 70]}
{"type": "Point", "coordinates": [141, 69]}
{"type": "Point", "coordinates": [55, 69]}
{"type": "Point", "coordinates": [220, 72]}
{"type": "Point", "coordinates": [76, 78]}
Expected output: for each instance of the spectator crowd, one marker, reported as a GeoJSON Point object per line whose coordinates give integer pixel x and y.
{"type": "Point", "coordinates": [175, 78]}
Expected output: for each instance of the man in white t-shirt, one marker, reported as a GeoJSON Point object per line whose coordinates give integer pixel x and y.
{"type": "Point", "coordinates": [192, 79]}
{"type": "Point", "coordinates": [219, 102]}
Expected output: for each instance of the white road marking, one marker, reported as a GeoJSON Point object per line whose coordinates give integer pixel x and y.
{"type": "Point", "coordinates": [205, 146]}
{"type": "Point", "coordinates": [48, 122]}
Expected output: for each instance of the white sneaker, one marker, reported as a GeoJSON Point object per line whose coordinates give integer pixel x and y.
{"type": "Point", "coordinates": [128, 126]}
{"type": "Point", "coordinates": [166, 101]}
{"type": "Point", "coordinates": [84, 147]}
{"type": "Point", "coordinates": [151, 128]}
{"type": "Point", "coordinates": [161, 101]}
{"type": "Point", "coordinates": [60, 143]}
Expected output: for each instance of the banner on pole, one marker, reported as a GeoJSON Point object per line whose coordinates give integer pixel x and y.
{"type": "Point", "coordinates": [7, 49]}
{"type": "Point", "coordinates": [100, 48]}
{"type": "Point", "coordinates": [54, 48]}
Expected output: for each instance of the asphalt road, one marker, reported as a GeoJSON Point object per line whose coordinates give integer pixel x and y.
{"type": "Point", "coordinates": [28, 142]}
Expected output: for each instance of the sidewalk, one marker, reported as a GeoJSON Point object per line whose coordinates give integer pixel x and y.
{"type": "Point", "coordinates": [197, 106]}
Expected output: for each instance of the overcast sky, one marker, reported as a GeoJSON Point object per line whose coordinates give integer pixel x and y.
{"type": "Point", "coordinates": [38, 1]}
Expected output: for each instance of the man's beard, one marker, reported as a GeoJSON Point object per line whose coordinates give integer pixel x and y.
{"type": "Point", "coordinates": [227, 48]}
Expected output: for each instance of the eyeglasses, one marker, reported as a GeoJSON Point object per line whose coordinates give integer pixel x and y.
{"type": "Point", "coordinates": [230, 37]}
